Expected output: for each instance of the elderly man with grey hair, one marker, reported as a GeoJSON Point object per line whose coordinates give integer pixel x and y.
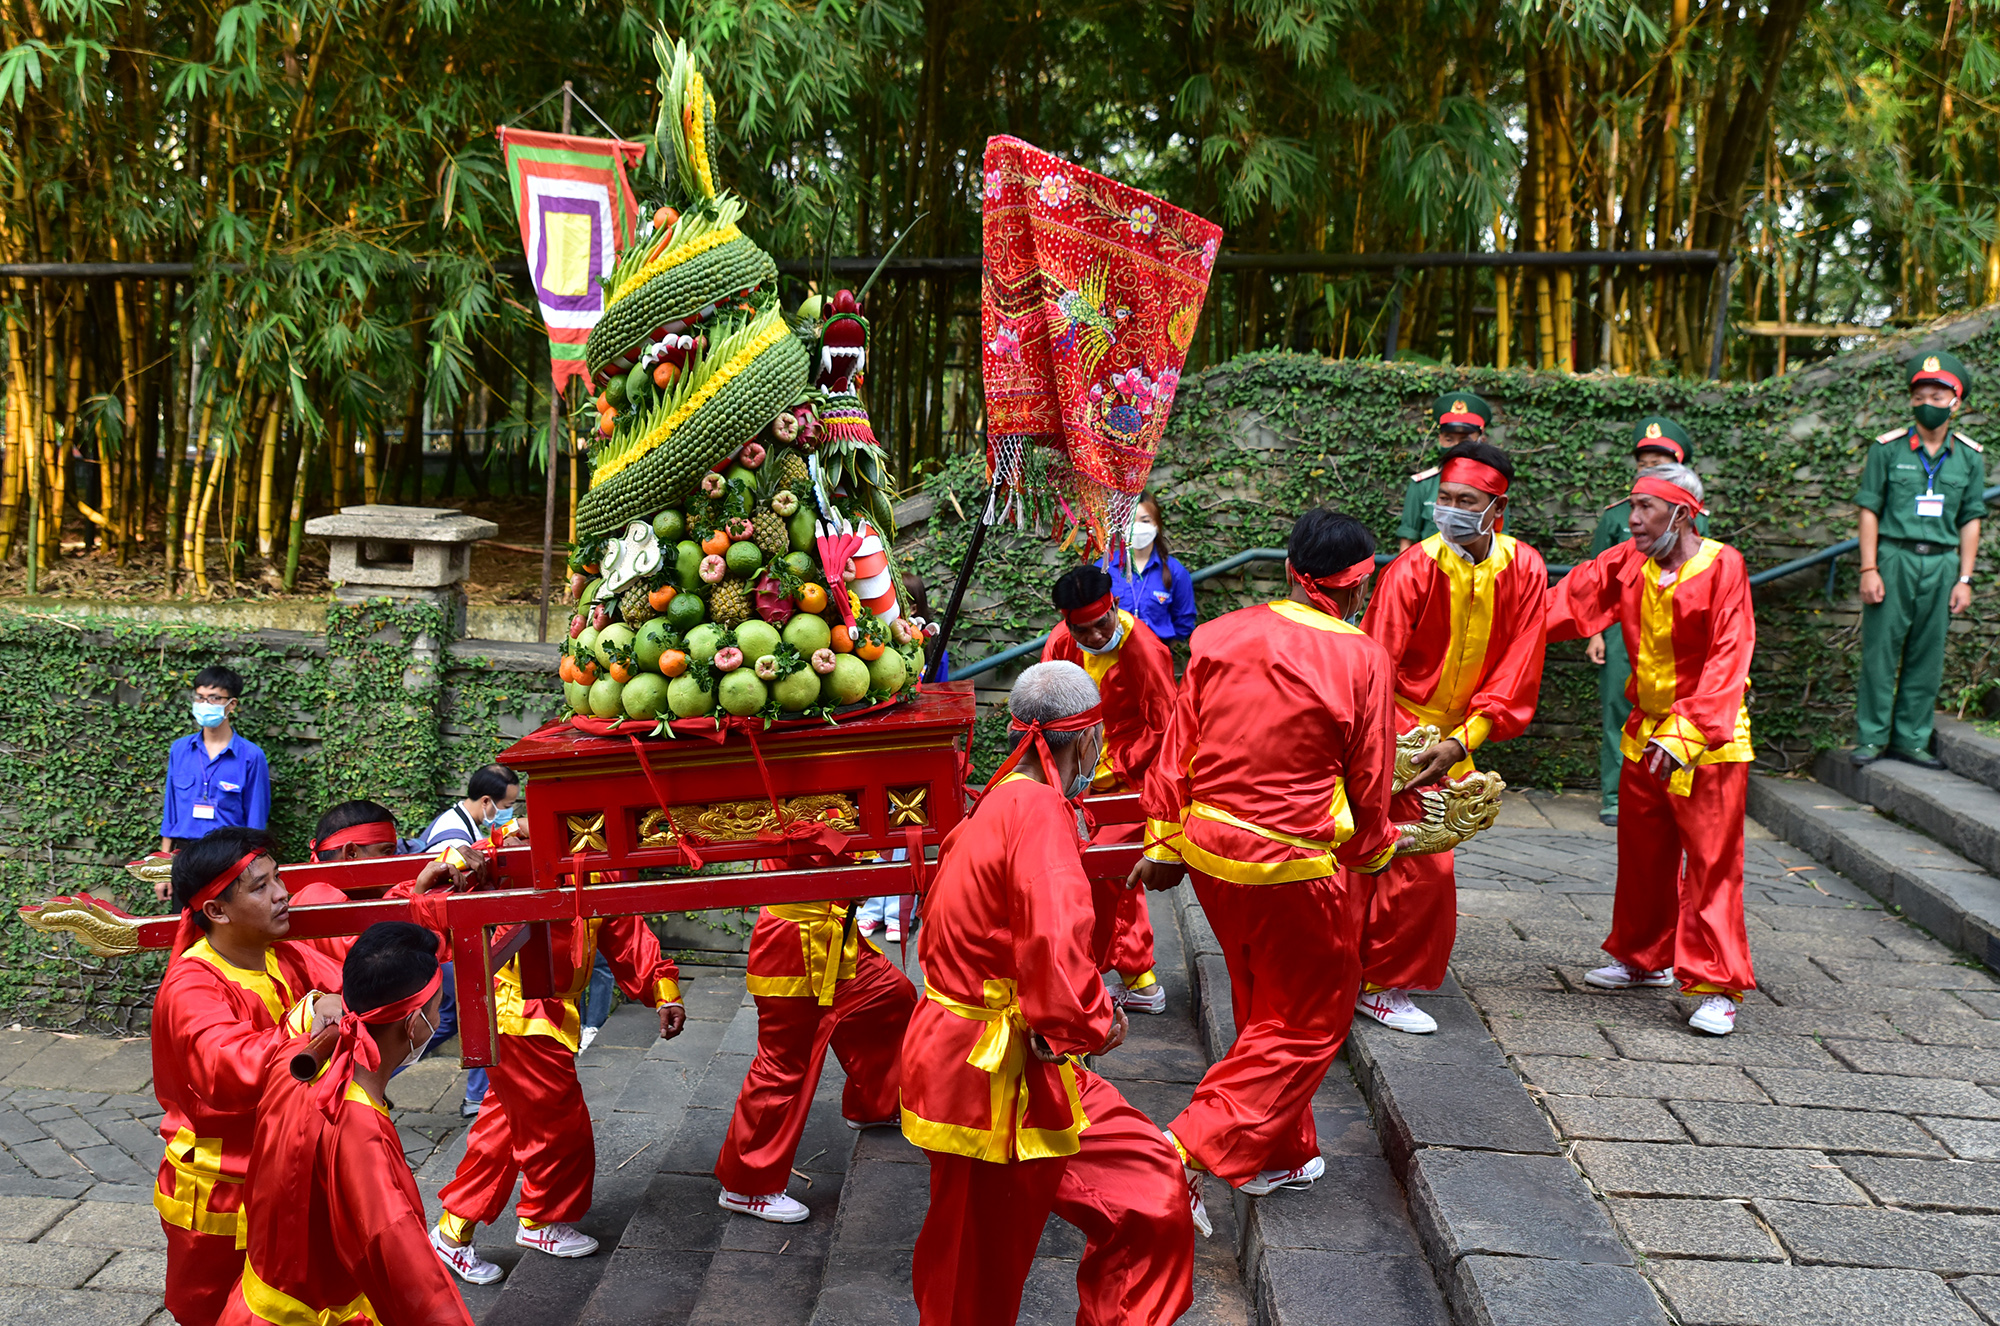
{"type": "Point", "coordinates": [993, 1086]}
{"type": "Point", "coordinates": [1682, 603]}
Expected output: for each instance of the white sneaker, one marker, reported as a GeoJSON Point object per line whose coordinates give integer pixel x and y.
{"type": "Point", "coordinates": [1152, 999]}
{"type": "Point", "coordinates": [1196, 1207]}
{"type": "Point", "coordinates": [557, 1240]}
{"type": "Point", "coordinates": [465, 1262]}
{"type": "Point", "coordinates": [867, 925]}
{"type": "Point", "coordinates": [779, 1208]}
{"type": "Point", "coordinates": [1392, 1008]}
{"type": "Point", "coordinates": [893, 932]}
{"type": "Point", "coordinates": [583, 1041]}
{"type": "Point", "coordinates": [1620, 977]}
{"type": "Point", "coordinates": [1716, 1016]}
{"type": "Point", "coordinates": [1273, 1179]}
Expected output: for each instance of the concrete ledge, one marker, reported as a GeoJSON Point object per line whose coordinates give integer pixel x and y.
{"type": "Point", "coordinates": [1514, 1291]}
{"type": "Point", "coordinates": [1967, 751]}
{"type": "Point", "coordinates": [1932, 886]}
{"type": "Point", "coordinates": [1963, 815]}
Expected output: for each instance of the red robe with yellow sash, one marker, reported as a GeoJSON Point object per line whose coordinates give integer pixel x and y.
{"type": "Point", "coordinates": [213, 1026]}
{"type": "Point", "coordinates": [1680, 843]}
{"type": "Point", "coordinates": [813, 993]}
{"type": "Point", "coordinates": [1006, 954]}
{"type": "Point", "coordinates": [1466, 642]}
{"type": "Point", "coordinates": [1135, 683]}
{"type": "Point", "coordinates": [1273, 787]}
{"type": "Point", "coordinates": [336, 1226]}
{"type": "Point", "coordinates": [534, 1125]}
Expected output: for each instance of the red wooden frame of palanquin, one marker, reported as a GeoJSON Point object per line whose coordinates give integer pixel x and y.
{"type": "Point", "coordinates": [572, 773]}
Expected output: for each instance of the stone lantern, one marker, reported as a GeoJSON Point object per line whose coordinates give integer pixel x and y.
{"type": "Point", "coordinates": [407, 553]}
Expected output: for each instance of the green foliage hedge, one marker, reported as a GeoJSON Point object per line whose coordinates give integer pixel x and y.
{"type": "Point", "coordinates": [1258, 439]}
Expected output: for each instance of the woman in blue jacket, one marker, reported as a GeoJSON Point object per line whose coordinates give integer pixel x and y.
{"type": "Point", "coordinates": [1146, 578]}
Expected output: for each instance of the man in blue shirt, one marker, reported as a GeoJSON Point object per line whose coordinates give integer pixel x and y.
{"type": "Point", "coordinates": [215, 777]}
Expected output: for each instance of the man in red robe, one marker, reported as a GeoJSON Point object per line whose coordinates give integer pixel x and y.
{"type": "Point", "coordinates": [1015, 1126]}
{"type": "Point", "coordinates": [1273, 790]}
{"type": "Point", "coordinates": [1683, 605]}
{"type": "Point", "coordinates": [234, 991]}
{"type": "Point", "coordinates": [1460, 617]}
{"type": "Point", "coordinates": [1134, 673]}
{"type": "Point", "coordinates": [350, 831]}
{"type": "Point", "coordinates": [817, 984]}
{"type": "Point", "coordinates": [336, 1226]}
{"type": "Point", "coordinates": [534, 1125]}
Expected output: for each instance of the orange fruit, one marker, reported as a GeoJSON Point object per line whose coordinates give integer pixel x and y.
{"type": "Point", "coordinates": [868, 651]}
{"type": "Point", "coordinates": [673, 663]}
{"type": "Point", "coordinates": [661, 597]}
{"type": "Point", "coordinates": [811, 598]}
{"type": "Point", "coordinates": [716, 544]}
{"type": "Point", "coordinates": [843, 643]}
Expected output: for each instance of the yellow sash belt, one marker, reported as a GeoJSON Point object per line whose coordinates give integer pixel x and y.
{"type": "Point", "coordinates": [999, 1049]}
{"type": "Point", "coordinates": [281, 1309]}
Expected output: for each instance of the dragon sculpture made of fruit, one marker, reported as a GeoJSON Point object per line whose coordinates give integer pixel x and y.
{"type": "Point", "coordinates": [733, 550]}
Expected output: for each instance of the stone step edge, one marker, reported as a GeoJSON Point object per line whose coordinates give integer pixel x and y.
{"type": "Point", "coordinates": [1948, 896]}
{"type": "Point", "coordinates": [1967, 751]}
{"type": "Point", "coordinates": [1962, 814]}
{"type": "Point", "coordinates": [1478, 1289]}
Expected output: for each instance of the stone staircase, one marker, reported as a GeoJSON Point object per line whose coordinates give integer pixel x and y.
{"type": "Point", "coordinates": [1924, 841]}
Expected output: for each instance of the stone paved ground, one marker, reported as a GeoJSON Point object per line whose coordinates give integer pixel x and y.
{"type": "Point", "coordinates": [1835, 1160]}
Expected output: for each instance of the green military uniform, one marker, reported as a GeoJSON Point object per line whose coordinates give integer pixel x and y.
{"type": "Point", "coordinates": [1459, 408]}
{"type": "Point", "coordinates": [1654, 433]}
{"type": "Point", "coordinates": [1921, 502]}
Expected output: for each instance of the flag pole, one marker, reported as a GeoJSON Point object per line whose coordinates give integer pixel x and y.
{"type": "Point", "coordinates": [555, 423]}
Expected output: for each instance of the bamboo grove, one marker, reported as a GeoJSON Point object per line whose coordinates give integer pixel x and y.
{"type": "Point", "coordinates": [329, 168]}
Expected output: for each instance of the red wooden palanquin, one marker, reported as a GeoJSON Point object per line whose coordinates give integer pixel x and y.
{"type": "Point", "coordinates": [605, 809]}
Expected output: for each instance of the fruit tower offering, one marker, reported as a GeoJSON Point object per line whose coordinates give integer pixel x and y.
{"type": "Point", "coordinates": [732, 551]}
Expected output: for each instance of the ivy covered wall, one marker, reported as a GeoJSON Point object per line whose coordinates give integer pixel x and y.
{"type": "Point", "coordinates": [1261, 438]}
{"type": "Point", "coordinates": [384, 706]}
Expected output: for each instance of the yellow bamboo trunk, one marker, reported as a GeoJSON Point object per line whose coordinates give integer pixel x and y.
{"type": "Point", "coordinates": [1560, 169]}
{"type": "Point", "coordinates": [267, 465]}
{"type": "Point", "coordinates": [340, 460]}
{"type": "Point", "coordinates": [191, 531]}
{"type": "Point", "coordinates": [371, 466]}
{"type": "Point", "coordinates": [1503, 308]}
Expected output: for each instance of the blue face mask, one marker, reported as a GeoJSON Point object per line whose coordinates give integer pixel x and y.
{"type": "Point", "coordinates": [1117, 638]}
{"type": "Point", "coordinates": [504, 815]}
{"type": "Point", "coordinates": [209, 715]}
{"type": "Point", "coordinates": [1084, 778]}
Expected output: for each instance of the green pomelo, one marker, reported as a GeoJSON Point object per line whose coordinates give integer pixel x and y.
{"type": "Point", "coordinates": [756, 639]}
{"type": "Point", "coordinates": [740, 473]}
{"type": "Point", "coordinates": [614, 393]}
{"type": "Point", "coordinates": [687, 565]}
{"type": "Point", "coordinates": [606, 698]}
{"type": "Point", "coordinates": [686, 612]}
{"type": "Point", "coordinates": [807, 633]}
{"type": "Point", "coordinates": [590, 593]}
{"type": "Point", "coordinates": [798, 691]}
{"type": "Point", "coordinates": [645, 695]}
{"type": "Point", "coordinates": [848, 681]}
{"type": "Point", "coordinates": [744, 559]}
{"type": "Point", "coordinates": [888, 673]}
{"type": "Point", "coordinates": [801, 527]}
{"type": "Point", "coordinates": [800, 565]}
{"type": "Point", "coordinates": [687, 699]}
{"type": "Point", "coordinates": [652, 642]}
{"type": "Point", "coordinates": [586, 642]}
{"type": "Point", "coordinates": [577, 696]}
{"type": "Point", "coordinates": [617, 636]}
{"type": "Point", "coordinates": [668, 527]}
{"type": "Point", "coordinates": [742, 692]}
{"type": "Point", "coordinates": [703, 641]}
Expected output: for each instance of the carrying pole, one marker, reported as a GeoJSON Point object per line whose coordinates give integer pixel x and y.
{"type": "Point", "coordinates": [555, 424]}
{"type": "Point", "coordinates": [934, 662]}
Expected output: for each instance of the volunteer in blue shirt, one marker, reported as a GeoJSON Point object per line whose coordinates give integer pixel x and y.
{"type": "Point", "coordinates": [215, 776]}
{"type": "Point", "coordinates": [1147, 580]}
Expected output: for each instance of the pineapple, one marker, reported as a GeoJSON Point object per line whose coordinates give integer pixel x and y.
{"type": "Point", "coordinates": [632, 606]}
{"type": "Point", "coordinates": [729, 603]}
{"type": "Point", "coordinates": [791, 469]}
{"type": "Point", "coordinates": [769, 529]}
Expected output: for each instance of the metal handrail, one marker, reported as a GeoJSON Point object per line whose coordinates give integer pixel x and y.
{"type": "Point", "coordinates": [1831, 553]}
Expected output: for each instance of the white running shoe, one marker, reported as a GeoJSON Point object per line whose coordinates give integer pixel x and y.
{"type": "Point", "coordinates": [557, 1240]}
{"type": "Point", "coordinates": [1273, 1179]}
{"type": "Point", "coordinates": [1196, 1207]}
{"type": "Point", "coordinates": [893, 932]}
{"type": "Point", "coordinates": [1620, 977]}
{"type": "Point", "coordinates": [1716, 1016]}
{"type": "Point", "coordinates": [1392, 1008]}
{"type": "Point", "coordinates": [868, 925]}
{"type": "Point", "coordinates": [1152, 999]}
{"type": "Point", "coordinates": [857, 1125]}
{"type": "Point", "coordinates": [779, 1208]}
{"type": "Point", "coordinates": [465, 1262]}
{"type": "Point", "coordinates": [583, 1041]}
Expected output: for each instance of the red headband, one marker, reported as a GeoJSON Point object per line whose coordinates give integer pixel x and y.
{"type": "Point", "coordinates": [375, 831]}
{"type": "Point", "coordinates": [354, 1047]}
{"type": "Point", "coordinates": [1082, 722]}
{"type": "Point", "coordinates": [1474, 474]}
{"type": "Point", "coordinates": [1315, 585]}
{"type": "Point", "coordinates": [1089, 612]}
{"type": "Point", "coordinates": [188, 932]}
{"type": "Point", "coordinates": [1669, 492]}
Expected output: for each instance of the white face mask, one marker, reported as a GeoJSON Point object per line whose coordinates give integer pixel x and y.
{"type": "Point", "coordinates": [1665, 543]}
{"type": "Point", "coordinates": [1142, 535]}
{"type": "Point", "coordinates": [1117, 636]}
{"type": "Point", "coordinates": [1085, 776]}
{"type": "Point", "coordinates": [422, 1043]}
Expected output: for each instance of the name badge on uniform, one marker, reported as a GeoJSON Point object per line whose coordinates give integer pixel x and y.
{"type": "Point", "coordinates": [1931, 504]}
{"type": "Point", "coordinates": [204, 812]}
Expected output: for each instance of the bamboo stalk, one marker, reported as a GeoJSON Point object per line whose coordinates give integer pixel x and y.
{"type": "Point", "coordinates": [267, 465]}
{"type": "Point", "coordinates": [371, 465]}
{"type": "Point", "coordinates": [296, 533]}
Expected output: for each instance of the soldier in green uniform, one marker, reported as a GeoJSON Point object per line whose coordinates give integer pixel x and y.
{"type": "Point", "coordinates": [1461, 417]}
{"type": "Point", "coordinates": [1920, 499]}
{"type": "Point", "coordinates": [1656, 440]}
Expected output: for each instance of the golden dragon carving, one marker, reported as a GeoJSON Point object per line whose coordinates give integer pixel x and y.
{"type": "Point", "coordinates": [99, 927]}
{"type": "Point", "coordinates": [1454, 810]}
